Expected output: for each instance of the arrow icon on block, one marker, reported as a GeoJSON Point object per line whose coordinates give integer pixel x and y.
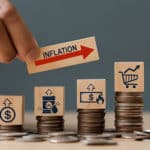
{"type": "Point", "coordinates": [7, 102]}
{"type": "Point", "coordinates": [91, 87]}
{"type": "Point", "coordinates": [84, 51]}
{"type": "Point", "coordinates": [49, 92]}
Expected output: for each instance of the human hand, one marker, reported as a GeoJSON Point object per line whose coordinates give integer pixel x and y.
{"type": "Point", "coordinates": [15, 38]}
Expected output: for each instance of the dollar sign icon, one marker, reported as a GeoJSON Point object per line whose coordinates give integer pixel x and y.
{"type": "Point", "coordinates": [91, 97]}
{"type": "Point", "coordinates": [7, 114]}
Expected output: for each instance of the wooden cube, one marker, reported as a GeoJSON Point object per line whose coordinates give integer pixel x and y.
{"type": "Point", "coordinates": [11, 110]}
{"type": "Point", "coordinates": [49, 101]}
{"type": "Point", "coordinates": [129, 76]}
{"type": "Point", "coordinates": [91, 93]}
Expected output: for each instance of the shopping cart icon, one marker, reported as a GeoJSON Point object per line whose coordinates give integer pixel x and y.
{"type": "Point", "coordinates": [129, 79]}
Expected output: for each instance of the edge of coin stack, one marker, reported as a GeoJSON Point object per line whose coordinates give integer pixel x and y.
{"type": "Point", "coordinates": [46, 124]}
{"type": "Point", "coordinates": [91, 121]}
{"type": "Point", "coordinates": [128, 111]}
{"type": "Point", "coordinates": [11, 128]}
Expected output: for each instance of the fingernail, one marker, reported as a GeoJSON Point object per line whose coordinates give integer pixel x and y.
{"type": "Point", "coordinates": [33, 54]}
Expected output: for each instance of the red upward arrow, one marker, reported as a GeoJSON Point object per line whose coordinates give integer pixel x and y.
{"type": "Point", "coordinates": [84, 51]}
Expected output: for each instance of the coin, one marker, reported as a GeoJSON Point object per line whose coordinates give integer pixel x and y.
{"type": "Point", "coordinates": [128, 111]}
{"type": "Point", "coordinates": [30, 139]}
{"type": "Point", "coordinates": [34, 136]}
{"type": "Point", "coordinates": [63, 133]}
{"type": "Point", "coordinates": [5, 138]}
{"type": "Point", "coordinates": [98, 142]}
{"type": "Point", "coordinates": [127, 135]}
{"type": "Point", "coordinates": [44, 118]}
{"type": "Point", "coordinates": [64, 139]}
{"type": "Point", "coordinates": [91, 110]}
{"type": "Point", "coordinates": [91, 121]}
{"type": "Point", "coordinates": [146, 131]}
{"type": "Point", "coordinates": [13, 134]}
{"type": "Point", "coordinates": [11, 128]}
{"type": "Point", "coordinates": [46, 124]}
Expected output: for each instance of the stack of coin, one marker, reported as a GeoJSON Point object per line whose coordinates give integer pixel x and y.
{"type": "Point", "coordinates": [46, 124]}
{"type": "Point", "coordinates": [128, 111]}
{"type": "Point", "coordinates": [12, 128]}
{"type": "Point", "coordinates": [91, 121]}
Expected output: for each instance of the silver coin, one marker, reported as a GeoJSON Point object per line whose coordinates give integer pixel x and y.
{"type": "Point", "coordinates": [127, 135]}
{"type": "Point", "coordinates": [147, 131]}
{"type": "Point", "coordinates": [63, 133]}
{"type": "Point", "coordinates": [64, 139]}
{"type": "Point", "coordinates": [5, 138]}
{"type": "Point", "coordinates": [35, 136]}
{"type": "Point", "coordinates": [30, 140]}
{"type": "Point", "coordinates": [141, 137]}
{"type": "Point", "coordinates": [110, 130]}
{"type": "Point", "coordinates": [140, 133]}
{"type": "Point", "coordinates": [138, 138]}
{"type": "Point", "coordinates": [99, 136]}
{"type": "Point", "coordinates": [99, 142]}
{"type": "Point", "coordinates": [13, 134]}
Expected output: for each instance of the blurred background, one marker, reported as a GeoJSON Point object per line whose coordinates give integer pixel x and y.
{"type": "Point", "coordinates": [122, 31]}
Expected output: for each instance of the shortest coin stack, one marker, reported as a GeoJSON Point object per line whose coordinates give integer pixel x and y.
{"type": "Point", "coordinates": [46, 124]}
{"type": "Point", "coordinates": [91, 121]}
{"type": "Point", "coordinates": [12, 128]}
{"type": "Point", "coordinates": [128, 112]}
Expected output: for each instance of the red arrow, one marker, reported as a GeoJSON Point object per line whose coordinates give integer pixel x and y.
{"type": "Point", "coordinates": [85, 51]}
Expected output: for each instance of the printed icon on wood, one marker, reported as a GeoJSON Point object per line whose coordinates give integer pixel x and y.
{"type": "Point", "coordinates": [49, 101]}
{"type": "Point", "coordinates": [91, 93]}
{"type": "Point", "coordinates": [129, 76]}
{"type": "Point", "coordinates": [11, 110]}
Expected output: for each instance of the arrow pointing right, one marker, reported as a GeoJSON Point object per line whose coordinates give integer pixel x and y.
{"type": "Point", "coordinates": [84, 52]}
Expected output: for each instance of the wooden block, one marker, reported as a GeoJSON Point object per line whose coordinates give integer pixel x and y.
{"type": "Point", "coordinates": [11, 110]}
{"type": "Point", "coordinates": [49, 101]}
{"type": "Point", "coordinates": [65, 54]}
{"type": "Point", "coordinates": [129, 76]}
{"type": "Point", "coordinates": [91, 93]}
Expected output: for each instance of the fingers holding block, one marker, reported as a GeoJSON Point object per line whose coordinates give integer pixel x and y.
{"type": "Point", "coordinates": [11, 110]}
{"type": "Point", "coordinates": [91, 93]}
{"type": "Point", "coordinates": [49, 101]}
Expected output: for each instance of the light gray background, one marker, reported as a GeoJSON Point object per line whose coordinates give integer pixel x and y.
{"type": "Point", "coordinates": [122, 31]}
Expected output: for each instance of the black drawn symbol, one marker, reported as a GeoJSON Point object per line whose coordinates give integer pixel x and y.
{"type": "Point", "coordinates": [91, 96]}
{"type": "Point", "coordinates": [48, 92]}
{"type": "Point", "coordinates": [130, 78]}
{"type": "Point", "coordinates": [49, 102]}
{"type": "Point", "coordinates": [99, 99]}
{"type": "Point", "coordinates": [91, 87]}
{"type": "Point", "coordinates": [7, 114]}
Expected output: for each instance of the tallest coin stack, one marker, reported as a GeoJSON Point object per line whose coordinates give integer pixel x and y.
{"type": "Point", "coordinates": [129, 88]}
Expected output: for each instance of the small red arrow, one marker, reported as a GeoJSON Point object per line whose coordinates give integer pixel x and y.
{"type": "Point", "coordinates": [85, 51]}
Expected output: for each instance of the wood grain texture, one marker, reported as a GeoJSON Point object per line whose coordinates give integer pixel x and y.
{"type": "Point", "coordinates": [86, 87]}
{"type": "Point", "coordinates": [65, 54]}
{"type": "Point", "coordinates": [55, 92]}
{"type": "Point", "coordinates": [12, 110]}
{"type": "Point", "coordinates": [129, 76]}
